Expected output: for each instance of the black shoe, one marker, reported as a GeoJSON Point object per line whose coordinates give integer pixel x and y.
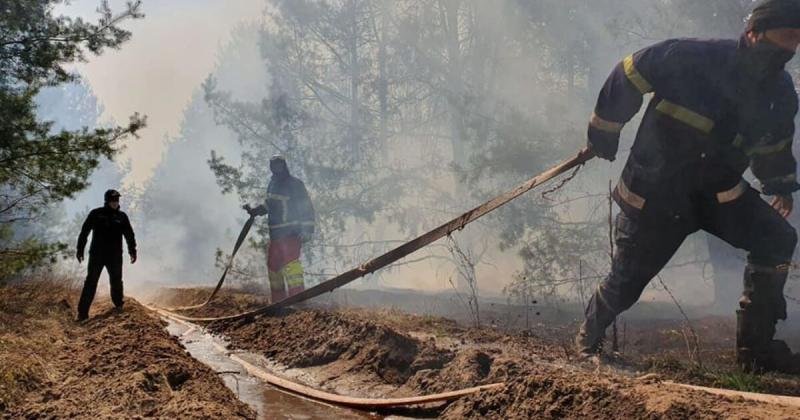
{"type": "Point", "coordinates": [82, 319]}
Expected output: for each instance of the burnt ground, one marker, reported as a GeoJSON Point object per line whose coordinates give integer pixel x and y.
{"type": "Point", "coordinates": [116, 365]}
{"type": "Point", "coordinates": [386, 352]}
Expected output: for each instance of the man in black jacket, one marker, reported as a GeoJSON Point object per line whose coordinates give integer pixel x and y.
{"type": "Point", "coordinates": [108, 225]}
{"type": "Point", "coordinates": [718, 107]}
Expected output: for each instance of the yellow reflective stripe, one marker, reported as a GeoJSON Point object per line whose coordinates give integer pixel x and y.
{"type": "Point", "coordinates": [605, 125]}
{"type": "Point", "coordinates": [293, 274]}
{"type": "Point", "coordinates": [733, 193]}
{"type": "Point", "coordinates": [770, 149]}
{"type": "Point", "coordinates": [635, 77]}
{"type": "Point", "coordinates": [780, 179]}
{"type": "Point", "coordinates": [277, 197]}
{"type": "Point", "coordinates": [630, 197]}
{"type": "Point", "coordinates": [686, 116]}
{"type": "Point", "coordinates": [282, 225]}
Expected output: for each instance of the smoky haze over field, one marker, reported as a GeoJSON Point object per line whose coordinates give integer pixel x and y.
{"type": "Point", "coordinates": [398, 115]}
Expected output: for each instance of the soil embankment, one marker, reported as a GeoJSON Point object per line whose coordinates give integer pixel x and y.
{"type": "Point", "coordinates": [380, 353]}
{"type": "Point", "coordinates": [116, 365]}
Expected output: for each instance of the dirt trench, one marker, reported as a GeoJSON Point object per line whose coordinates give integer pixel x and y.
{"type": "Point", "coordinates": [380, 353]}
{"type": "Point", "coordinates": [116, 365]}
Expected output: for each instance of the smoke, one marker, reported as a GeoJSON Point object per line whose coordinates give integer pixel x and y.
{"type": "Point", "coordinates": [519, 81]}
{"type": "Point", "coordinates": [181, 215]}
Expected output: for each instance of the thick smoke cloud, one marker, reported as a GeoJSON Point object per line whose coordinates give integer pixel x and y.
{"type": "Point", "coordinates": [529, 73]}
{"type": "Point", "coordinates": [182, 215]}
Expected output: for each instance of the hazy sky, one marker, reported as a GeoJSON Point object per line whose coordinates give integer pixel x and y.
{"type": "Point", "coordinates": [172, 51]}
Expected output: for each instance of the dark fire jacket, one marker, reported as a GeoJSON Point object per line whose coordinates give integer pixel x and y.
{"type": "Point", "coordinates": [290, 210]}
{"type": "Point", "coordinates": [706, 123]}
{"type": "Point", "coordinates": [108, 226]}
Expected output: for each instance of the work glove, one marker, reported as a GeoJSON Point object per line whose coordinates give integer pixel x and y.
{"type": "Point", "coordinates": [306, 235]}
{"type": "Point", "coordinates": [603, 143]}
{"type": "Point", "coordinates": [79, 256]}
{"type": "Point", "coordinates": [258, 211]}
{"type": "Point", "coordinates": [784, 204]}
{"type": "Point", "coordinates": [133, 257]}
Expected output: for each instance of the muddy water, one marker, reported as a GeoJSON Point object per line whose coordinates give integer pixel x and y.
{"type": "Point", "coordinates": [269, 402]}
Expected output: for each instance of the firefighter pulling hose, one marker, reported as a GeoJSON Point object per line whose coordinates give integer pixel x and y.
{"type": "Point", "coordinates": [718, 107]}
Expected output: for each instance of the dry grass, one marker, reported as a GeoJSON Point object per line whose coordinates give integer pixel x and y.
{"type": "Point", "coordinates": [32, 312]}
{"type": "Point", "coordinates": [19, 373]}
{"type": "Point", "coordinates": [116, 365]}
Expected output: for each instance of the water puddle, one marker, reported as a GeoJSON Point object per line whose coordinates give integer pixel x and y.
{"type": "Point", "coordinates": [269, 402]}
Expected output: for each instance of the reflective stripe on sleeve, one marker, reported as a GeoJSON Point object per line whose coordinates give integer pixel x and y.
{"type": "Point", "coordinates": [605, 125]}
{"type": "Point", "coordinates": [287, 224]}
{"type": "Point", "coordinates": [780, 179]}
{"type": "Point", "coordinates": [642, 85]}
{"type": "Point", "coordinates": [686, 116]}
{"type": "Point", "coordinates": [630, 197]}
{"type": "Point", "coordinates": [733, 193]}
{"type": "Point", "coordinates": [279, 197]}
{"type": "Point", "coordinates": [770, 149]}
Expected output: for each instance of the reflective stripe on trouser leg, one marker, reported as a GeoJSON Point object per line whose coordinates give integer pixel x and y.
{"type": "Point", "coordinates": [276, 286]}
{"type": "Point", "coordinates": [293, 274]}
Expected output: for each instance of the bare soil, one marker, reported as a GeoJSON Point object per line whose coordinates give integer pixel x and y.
{"type": "Point", "coordinates": [116, 365]}
{"type": "Point", "coordinates": [369, 352]}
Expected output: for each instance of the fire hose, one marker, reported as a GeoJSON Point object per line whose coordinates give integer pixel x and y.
{"type": "Point", "coordinates": [242, 235]}
{"type": "Point", "coordinates": [397, 253]}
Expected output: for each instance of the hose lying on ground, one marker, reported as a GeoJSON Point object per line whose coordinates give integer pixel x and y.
{"type": "Point", "coordinates": [336, 399]}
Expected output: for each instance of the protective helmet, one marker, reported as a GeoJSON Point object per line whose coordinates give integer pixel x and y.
{"type": "Point", "coordinates": [278, 166]}
{"type": "Point", "coordinates": [111, 195]}
{"type": "Point", "coordinates": [775, 14]}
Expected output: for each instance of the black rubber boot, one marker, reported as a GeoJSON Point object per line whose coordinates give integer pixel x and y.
{"type": "Point", "coordinates": [762, 305]}
{"type": "Point", "coordinates": [588, 344]}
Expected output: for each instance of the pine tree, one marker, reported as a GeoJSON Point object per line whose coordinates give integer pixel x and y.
{"type": "Point", "coordinates": [40, 165]}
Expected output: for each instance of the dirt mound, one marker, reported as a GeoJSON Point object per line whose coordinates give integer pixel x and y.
{"type": "Point", "coordinates": [314, 338]}
{"type": "Point", "coordinates": [533, 390]}
{"type": "Point", "coordinates": [468, 368]}
{"type": "Point", "coordinates": [120, 365]}
{"type": "Point", "coordinates": [534, 396]}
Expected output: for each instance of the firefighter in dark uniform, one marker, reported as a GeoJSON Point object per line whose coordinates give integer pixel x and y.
{"type": "Point", "coordinates": [291, 223]}
{"type": "Point", "coordinates": [718, 107]}
{"type": "Point", "coordinates": [108, 225]}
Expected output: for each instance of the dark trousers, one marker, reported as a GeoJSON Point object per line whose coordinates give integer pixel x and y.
{"type": "Point", "coordinates": [645, 242]}
{"type": "Point", "coordinates": [96, 264]}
